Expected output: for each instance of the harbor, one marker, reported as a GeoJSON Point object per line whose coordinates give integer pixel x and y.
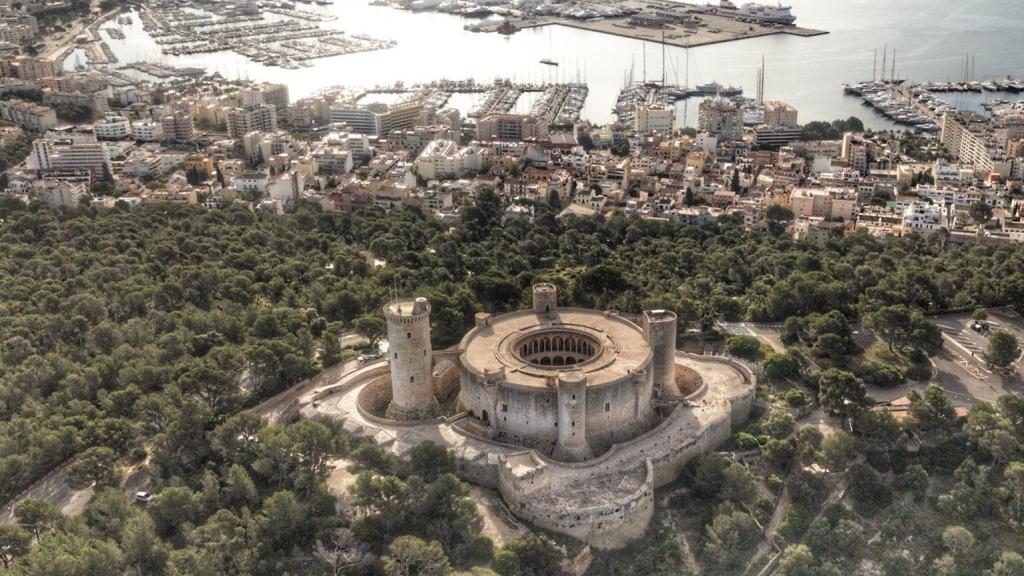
{"type": "Point", "coordinates": [290, 38]}
{"type": "Point", "coordinates": [661, 21]}
{"type": "Point", "coordinates": [600, 59]}
{"type": "Point", "coordinates": [918, 106]}
{"type": "Point", "coordinates": [557, 104]}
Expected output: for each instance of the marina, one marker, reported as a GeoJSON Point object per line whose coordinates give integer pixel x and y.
{"type": "Point", "coordinates": [557, 104]}
{"type": "Point", "coordinates": [667, 22]}
{"type": "Point", "coordinates": [803, 71]}
{"type": "Point", "coordinates": [290, 40]}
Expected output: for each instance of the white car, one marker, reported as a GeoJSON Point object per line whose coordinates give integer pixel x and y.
{"type": "Point", "coordinates": [143, 497]}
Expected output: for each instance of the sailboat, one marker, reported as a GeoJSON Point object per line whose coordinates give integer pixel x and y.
{"type": "Point", "coordinates": [549, 61]}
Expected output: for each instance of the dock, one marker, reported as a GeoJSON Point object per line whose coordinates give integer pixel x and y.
{"type": "Point", "coordinates": [662, 22]}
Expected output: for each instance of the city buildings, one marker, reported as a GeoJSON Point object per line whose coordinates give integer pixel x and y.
{"type": "Point", "coordinates": [274, 94]}
{"type": "Point", "coordinates": [147, 131]}
{"type": "Point", "coordinates": [721, 117]}
{"type": "Point", "coordinates": [444, 159]}
{"type": "Point", "coordinates": [76, 153]}
{"type": "Point", "coordinates": [515, 127]}
{"type": "Point", "coordinates": [178, 126]}
{"type": "Point", "coordinates": [112, 128]}
{"type": "Point", "coordinates": [828, 203]}
{"type": "Point", "coordinates": [28, 115]}
{"type": "Point", "coordinates": [377, 119]}
{"type": "Point", "coordinates": [28, 68]}
{"type": "Point", "coordinates": [252, 118]}
{"type": "Point", "coordinates": [778, 113]}
{"type": "Point", "coordinates": [654, 118]}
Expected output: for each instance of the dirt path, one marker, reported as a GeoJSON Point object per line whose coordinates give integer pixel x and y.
{"type": "Point", "coordinates": [499, 524]}
{"type": "Point", "coordinates": [686, 551]}
{"type": "Point", "coordinates": [767, 543]}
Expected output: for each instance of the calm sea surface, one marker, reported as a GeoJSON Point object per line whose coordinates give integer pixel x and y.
{"type": "Point", "coordinates": [931, 39]}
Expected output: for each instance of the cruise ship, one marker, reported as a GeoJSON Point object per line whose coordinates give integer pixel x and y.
{"type": "Point", "coordinates": [778, 14]}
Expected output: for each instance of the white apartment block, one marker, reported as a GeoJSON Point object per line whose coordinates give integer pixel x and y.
{"type": "Point", "coordinates": [254, 118]}
{"type": "Point", "coordinates": [58, 192]}
{"type": "Point", "coordinates": [112, 128]}
{"type": "Point", "coordinates": [654, 118]}
{"type": "Point", "coordinates": [923, 217]}
{"type": "Point", "coordinates": [946, 174]}
{"type": "Point", "coordinates": [68, 154]}
{"type": "Point", "coordinates": [147, 131]}
{"type": "Point", "coordinates": [444, 159]}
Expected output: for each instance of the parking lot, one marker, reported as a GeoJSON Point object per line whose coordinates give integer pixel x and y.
{"type": "Point", "coordinates": [967, 339]}
{"type": "Point", "coordinates": [959, 368]}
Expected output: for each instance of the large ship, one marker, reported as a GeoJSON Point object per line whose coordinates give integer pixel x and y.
{"type": "Point", "coordinates": [778, 14]}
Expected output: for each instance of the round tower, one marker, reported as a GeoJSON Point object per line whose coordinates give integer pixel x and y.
{"type": "Point", "coordinates": [409, 352]}
{"type": "Point", "coordinates": [572, 417]}
{"type": "Point", "coordinates": [545, 298]}
{"type": "Point", "coordinates": [660, 332]}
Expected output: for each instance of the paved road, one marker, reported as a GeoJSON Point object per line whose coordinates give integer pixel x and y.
{"type": "Point", "coordinates": [959, 368]}
{"type": "Point", "coordinates": [66, 40]}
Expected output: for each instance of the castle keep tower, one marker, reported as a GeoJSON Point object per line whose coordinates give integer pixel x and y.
{"type": "Point", "coordinates": [660, 331]}
{"type": "Point", "coordinates": [545, 298]}
{"type": "Point", "coordinates": [412, 386]}
{"type": "Point", "coordinates": [572, 417]}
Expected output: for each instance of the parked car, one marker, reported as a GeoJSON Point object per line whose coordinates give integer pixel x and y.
{"type": "Point", "coordinates": [368, 357]}
{"type": "Point", "coordinates": [143, 497]}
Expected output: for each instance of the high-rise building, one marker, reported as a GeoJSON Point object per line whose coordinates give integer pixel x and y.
{"type": "Point", "coordinates": [510, 127]}
{"type": "Point", "coordinates": [721, 117]}
{"type": "Point", "coordinates": [778, 113]}
{"type": "Point", "coordinates": [654, 118]}
{"type": "Point", "coordinates": [377, 119]}
{"type": "Point", "coordinates": [855, 152]}
{"type": "Point", "coordinates": [28, 68]}
{"type": "Point", "coordinates": [266, 93]}
{"type": "Point", "coordinates": [178, 126]}
{"type": "Point", "coordinates": [68, 154]}
{"type": "Point", "coordinates": [252, 118]}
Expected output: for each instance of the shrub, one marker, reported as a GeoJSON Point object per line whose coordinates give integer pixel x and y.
{"type": "Point", "coordinates": [745, 441]}
{"type": "Point", "coordinates": [880, 375]}
{"type": "Point", "coordinates": [919, 373]}
{"type": "Point", "coordinates": [781, 366]}
{"type": "Point", "coordinates": [743, 346]}
{"type": "Point", "coordinates": [795, 397]}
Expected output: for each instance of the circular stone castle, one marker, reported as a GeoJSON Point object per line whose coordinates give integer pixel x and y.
{"type": "Point", "coordinates": [568, 382]}
{"type": "Point", "coordinates": [575, 416]}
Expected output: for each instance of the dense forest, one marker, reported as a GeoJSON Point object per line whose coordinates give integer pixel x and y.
{"type": "Point", "coordinates": [145, 334]}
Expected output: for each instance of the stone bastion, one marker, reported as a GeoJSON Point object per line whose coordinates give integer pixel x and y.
{"type": "Point", "coordinates": [606, 501]}
{"type": "Point", "coordinates": [575, 416]}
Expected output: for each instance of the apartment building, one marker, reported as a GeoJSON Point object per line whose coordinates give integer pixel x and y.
{"type": "Point", "coordinates": [252, 118]}
{"type": "Point", "coordinates": [827, 203]}
{"type": "Point", "coordinates": [28, 115]}
{"type": "Point", "coordinates": [113, 128]}
{"type": "Point", "coordinates": [76, 153]}
{"type": "Point", "coordinates": [654, 118]}
{"type": "Point", "coordinates": [721, 117]}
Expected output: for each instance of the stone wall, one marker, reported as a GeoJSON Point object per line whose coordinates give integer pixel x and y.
{"type": "Point", "coordinates": [662, 452]}
{"type": "Point", "coordinates": [529, 416]}
{"type": "Point", "coordinates": [612, 525]}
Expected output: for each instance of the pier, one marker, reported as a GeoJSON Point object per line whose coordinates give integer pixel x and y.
{"type": "Point", "coordinates": [662, 22]}
{"type": "Point", "coordinates": [288, 42]}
